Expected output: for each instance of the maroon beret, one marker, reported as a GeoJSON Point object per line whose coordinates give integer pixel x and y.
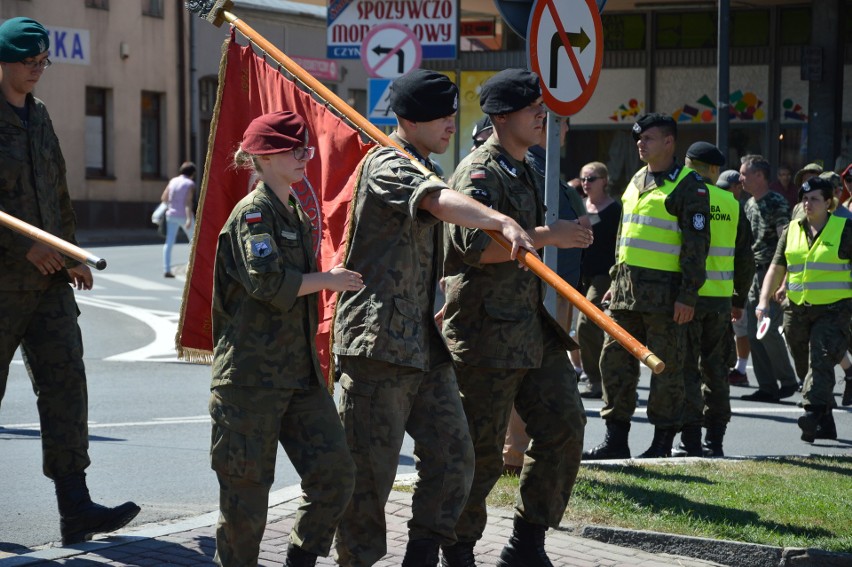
{"type": "Point", "coordinates": [274, 133]}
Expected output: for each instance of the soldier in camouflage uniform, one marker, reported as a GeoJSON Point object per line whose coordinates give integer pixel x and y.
{"type": "Point", "coordinates": [396, 372]}
{"type": "Point", "coordinates": [506, 347]}
{"type": "Point", "coordinates": [267, 384]}
{"type": "Point", "coordinates": [710, 340]}
{"type": "Point", "coordinates": [769, 214]}
{"type": "Point", "coordinates": [661, 250]}
{"type": "Point", "coordinates": [37, 307]}
{"type": "Point", "coordinates": [815, 254]}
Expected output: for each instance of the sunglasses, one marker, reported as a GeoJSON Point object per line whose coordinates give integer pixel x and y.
{"type": "Point", "coordinates": [303, 153]}
{"type": "Point", "coordinates": [591, 179]}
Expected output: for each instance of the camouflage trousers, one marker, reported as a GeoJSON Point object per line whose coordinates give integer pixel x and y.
{"type": "Point", "coordinates": [620, 369]}
{"type": "Point", "coordinates": [817, 336]}
{"type": "Point", "coordinates": [589, 335]}
{"type": "Point", "coordinates": [709, 355]}
{"type": "Point", "coordinates": [44, 324]}
{"type": "Point", "coordinates": [547, 399]}
{"type": "Point", "coordinates": [769, 356]}
{"type": "Point", "coordinates": [379, 403]}
{"type": "Point", "coordinates": [248, 425]}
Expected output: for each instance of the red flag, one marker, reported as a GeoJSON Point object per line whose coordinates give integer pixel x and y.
{"type": "Point", "coordinates": [249, 87]}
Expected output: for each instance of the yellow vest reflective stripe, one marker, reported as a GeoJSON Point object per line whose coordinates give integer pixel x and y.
{"type": "Point", "coordinates": [650, 236]}
{"type": "Point", "coordinates": [817, 275]}
{"type": "Point", "coordinates": [724, 217]}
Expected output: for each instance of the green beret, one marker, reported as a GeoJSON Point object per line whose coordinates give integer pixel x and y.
{"type": "Point", "coordinates": [21, 38]}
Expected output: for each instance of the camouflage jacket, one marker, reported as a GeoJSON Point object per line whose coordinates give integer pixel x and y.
{"type": "Point", "coordinates": [33, 188]}
{"type": "Point", "coordinates": [645, 289]}
{"type": "Point", "coordinates": [766, 216]}
{"type": "Point", "coordinates": [392, 243]}
{"type": "Point", "coordinates": [495, 317]}
{"type": "Point", "coordinates": [263, 333]}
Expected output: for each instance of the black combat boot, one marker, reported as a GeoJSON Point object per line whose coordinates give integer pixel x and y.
{"type": "Point", "coordinates": [690, 442]}
{"type": "Point", "coordinates": [458, 555]}
{"type": "Point", "coordinates": [525, 547]}
{"type": "Point", "coordinates": [614, 445]}
{"type": "Point", "coordinates": [847, 393]}
{"type": "Point", "coordinates": [298, 557]}
{"type": "Point", "coordinates": [421, 553]}
{"type": "Point", "coordinates": [810, 421]}
{"type": "Point", "coordinates": [713, 440]}
{"type": "Point", "coordinates": [80, 518]}
{"type": "Point", "coordinates": [661, 446]}
{"type": "Point", "coordinates": [826, 429]}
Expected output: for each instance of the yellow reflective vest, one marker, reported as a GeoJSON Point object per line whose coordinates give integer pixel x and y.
{"type": "Point", "coordinates": [724, 217]}
{"type": "Point", "coordinates": [650, 235]}
{"type": "Point", "coordinates": [816, 275]}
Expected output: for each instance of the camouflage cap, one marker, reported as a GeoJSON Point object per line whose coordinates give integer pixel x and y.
{"type": "Point", "coordinates": [728, 179]}
{"type": "Point", "coordinates": [835, 179]}
{"type": "Point", "coordinates": [811, 167]}
{"type": "Point", "coordinates": [21, 38]}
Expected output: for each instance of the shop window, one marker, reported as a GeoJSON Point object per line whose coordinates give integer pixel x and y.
{"type": "Point", "coordinates": [750, 28]}
{"type": "Point", "coordinates": [689, 30]}
{"type": "Point", "coordinates": [623, 32]}
{"type": "Point", "coordinates": [795, 26]}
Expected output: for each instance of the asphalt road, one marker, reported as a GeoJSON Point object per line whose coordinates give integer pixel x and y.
{"type": "Point", "coordinates": [149, 425]}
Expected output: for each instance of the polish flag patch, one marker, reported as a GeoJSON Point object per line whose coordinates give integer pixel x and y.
{"type": "Point", "coordinates": [701, 191]}
{"type": "Point", "coordinates": [477, 174]}
{"type": "Point", "coordinates": [252, 218]}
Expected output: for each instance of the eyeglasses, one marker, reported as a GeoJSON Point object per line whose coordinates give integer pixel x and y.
{"type": "Point", "coordinates": [303, 153]}
{"type": "Point", "coordinates": [591, 179]}
{"type": "Point", "coordinates": [32, 64]}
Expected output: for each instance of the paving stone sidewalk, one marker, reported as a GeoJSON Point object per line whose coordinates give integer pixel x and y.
{"type": "Point", "coordinates": [191, 542]}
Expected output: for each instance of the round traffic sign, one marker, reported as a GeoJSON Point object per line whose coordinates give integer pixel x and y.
{"type": "Point", "coordinates": [390, 51]}
{"type": "Point", "coordinates": [565, 49]}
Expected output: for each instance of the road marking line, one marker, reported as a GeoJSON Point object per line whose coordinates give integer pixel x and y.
{"type": "Point", "coordinates": [136, 282]}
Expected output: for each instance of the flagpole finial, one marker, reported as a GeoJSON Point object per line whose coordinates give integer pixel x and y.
{"type": "Point", "coordinates": [210, 10]}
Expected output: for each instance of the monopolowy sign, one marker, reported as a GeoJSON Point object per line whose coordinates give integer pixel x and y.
{"type": "Point", "coordinates": [434, 22]}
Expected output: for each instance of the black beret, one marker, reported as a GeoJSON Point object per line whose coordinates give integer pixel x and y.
{"type": "Point", "coordinates": [508, 91]}
{"type": "Point", "coordinates": [651, 120]}
{"type": "Point", "coordinates": [816, 184]}
{"type": "Point", "coordinates": [423, 96]}
{"type": "Point", "coordinates": [482, 129]}
{"type": "Point", "coordinates": [21, 38]}
{"type": "Point", "coordinates": [705, 152]}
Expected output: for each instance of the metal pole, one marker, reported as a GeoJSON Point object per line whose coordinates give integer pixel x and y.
{"type": "Point", "coordinates": [551, 196]}
{"type": "Point", "coordinates": [724, 78]}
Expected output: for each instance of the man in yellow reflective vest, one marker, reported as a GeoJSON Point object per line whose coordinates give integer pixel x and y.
{"type": "Point", "coordinates": [709, 336]}
{"type": "Point", "coordinates": [661, 250]}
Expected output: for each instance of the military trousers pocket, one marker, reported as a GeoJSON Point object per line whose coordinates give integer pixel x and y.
{"type": "Point", "coordinates": [240, 440]}
{"type": "Point", "coordinates": [356, 401]}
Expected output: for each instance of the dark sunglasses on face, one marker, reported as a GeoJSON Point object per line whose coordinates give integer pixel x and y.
{"type": "Point", "coordinates": [591, 179]}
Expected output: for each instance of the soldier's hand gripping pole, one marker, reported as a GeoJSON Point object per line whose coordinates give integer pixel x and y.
{"type": "Point", "coordinates": [597, 316]}
{"type": "Point", "coordinates": [62, 246]}
{"type": "Point", "coordinates": [218, 11]}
